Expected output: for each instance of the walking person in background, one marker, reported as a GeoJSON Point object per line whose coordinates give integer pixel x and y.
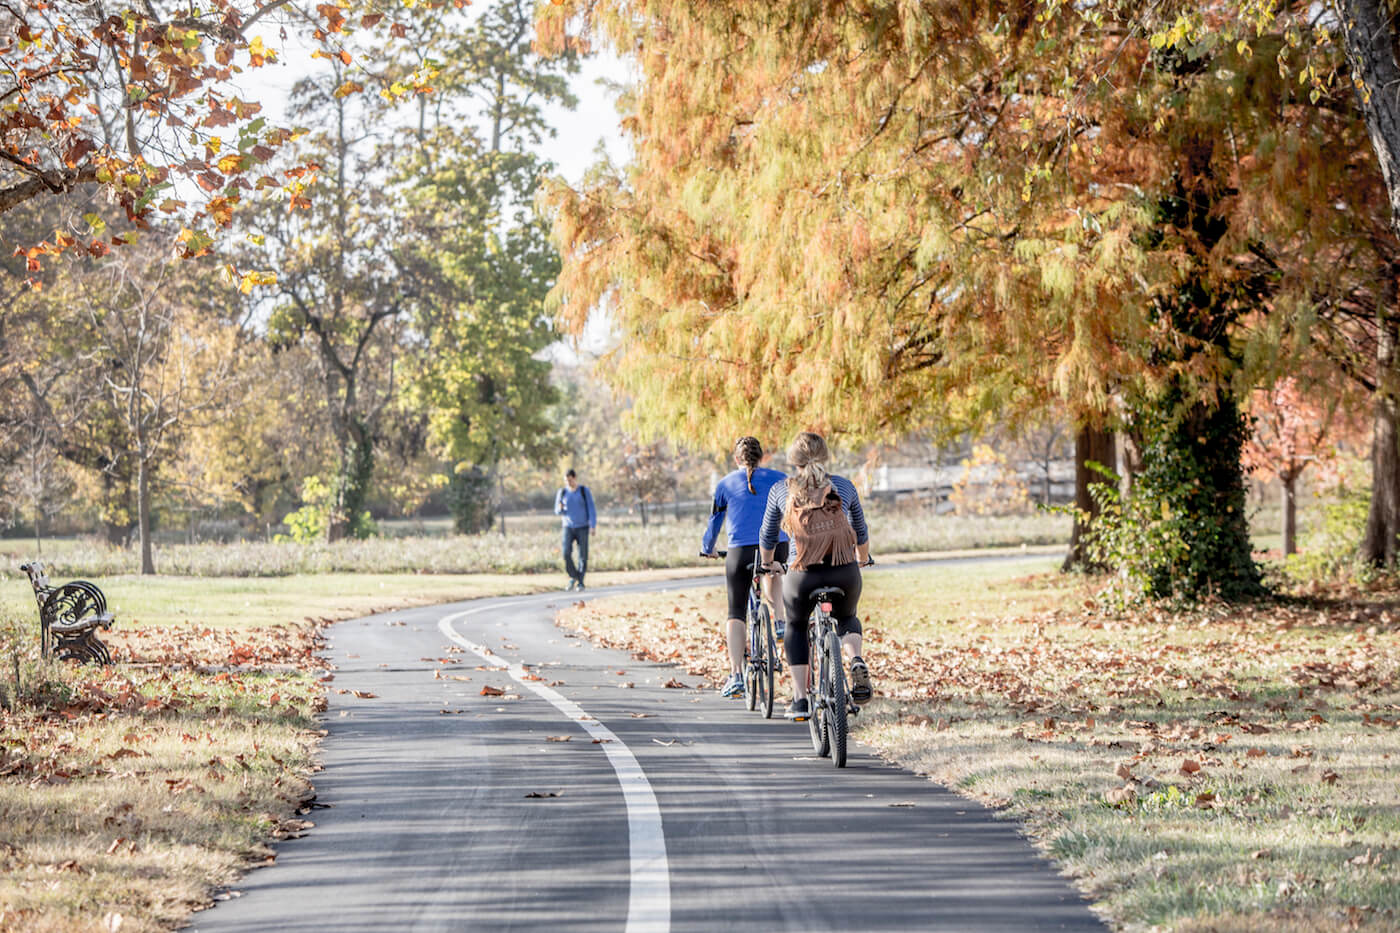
{"type": "Point", "coordinates": [822, 516]}
{"type": "Point", "coordinates": [574, 503]}
{"type": "Point", "coordinates": [740, 499]}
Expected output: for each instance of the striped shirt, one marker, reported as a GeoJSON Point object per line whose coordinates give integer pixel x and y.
{"type": "Point", "coordinates": [777, 504]}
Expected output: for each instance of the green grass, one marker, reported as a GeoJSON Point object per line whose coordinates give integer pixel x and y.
{"type": "Point", "coordinates": [1006, 683]}
{"type": "Point", "coordinates": [528, 547]}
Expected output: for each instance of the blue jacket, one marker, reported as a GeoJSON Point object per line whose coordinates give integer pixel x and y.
{"type": "Point", "coordinates": [740, 509]}
{"type": "Point", "coordinates": [576, 507]}
{"type": "Point", "coordinates": [777, 503]}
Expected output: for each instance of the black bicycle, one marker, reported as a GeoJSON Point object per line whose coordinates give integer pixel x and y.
{"type": "Point", "coordinates": [826, 682]}
{"type": "Point", "coordinates": [831, 703]}
{"type": "Point", "coordinates": [761, 661]}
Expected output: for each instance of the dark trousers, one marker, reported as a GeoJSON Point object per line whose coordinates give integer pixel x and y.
{"type": "Point", "coordinates": [579, 535]}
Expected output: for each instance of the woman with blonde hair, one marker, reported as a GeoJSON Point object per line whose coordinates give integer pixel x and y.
{"type": "Point", "coordinates": [825, 524]}
{"type": "Point", "coordinates": [740, 499]}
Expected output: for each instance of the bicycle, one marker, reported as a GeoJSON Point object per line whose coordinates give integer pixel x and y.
{"type": "Point", "coordinates": [831, 703]}
{"type": "Point", "coordinates": [761, 661]}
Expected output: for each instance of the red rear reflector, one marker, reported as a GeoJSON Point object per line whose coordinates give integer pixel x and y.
{"type": "Point", "coordinates": [826, 607]}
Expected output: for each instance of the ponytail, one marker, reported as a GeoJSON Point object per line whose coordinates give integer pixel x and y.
{"type": "Point", "coordinates": [748, 451]}
{"type": "Point", "coordinates": [807, 455]}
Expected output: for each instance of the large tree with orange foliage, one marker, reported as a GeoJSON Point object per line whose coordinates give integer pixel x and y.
{"type": "Point", "coordinates": [873, 217]}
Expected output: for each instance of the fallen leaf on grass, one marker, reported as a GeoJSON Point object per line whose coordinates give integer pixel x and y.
{"type": "Point", "coordinates": [1190, 766]}
{"type": "Point", "coordinates": [1204, 801]}
{"type": "Point", "coordinates": [1262, 853]}
{"type": "Point", "coordinates": [489, 691]}
{"type": "Point", "coordinates": [1365, 859]}
{"type": "Point", "coordinates": [1124, 796]}
{"type": "Point", "coordinates": [1255, 753]}
{"type": "Point", "coordinates": [1330, 777]}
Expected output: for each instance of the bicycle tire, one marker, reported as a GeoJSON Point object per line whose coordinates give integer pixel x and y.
{"type": "Point", "coordinates": [753, 670]}
{"type": "Point", "coordinates": [838, 728]}
{"type": "Point", "coordinates": [816, 721]}
{"type": "Point", "coordinates": [770, 662]}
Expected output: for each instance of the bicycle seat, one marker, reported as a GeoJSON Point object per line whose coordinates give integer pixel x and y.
{"type": "Point", "coordinates": [828, 593]}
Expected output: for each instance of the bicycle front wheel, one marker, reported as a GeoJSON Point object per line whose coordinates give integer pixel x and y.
{"type": "Point", "coordinates": [837, 725]}
{"type": "Point", "coordinates": [753, 666]}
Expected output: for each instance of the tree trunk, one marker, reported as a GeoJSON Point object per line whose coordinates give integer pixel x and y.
{"type": "Point", "coordinates": [351, 482]}
{"type": "Point", "coordinates": [38, 534]}
{"type": "Point", "coordinates": [1091, 445]}
{"type": "Point", "coordinates": [1370, 43]}
{"type": "Point", "coordinates": [143, 515]}
{"type": "Point", "coordinates": [1383, 521]}
{"type": "Point", "coordinates": [1290, 513]}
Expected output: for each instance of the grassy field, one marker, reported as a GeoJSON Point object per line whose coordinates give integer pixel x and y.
{"type": "Point", "coordinates": [528, 547]}
{"type": "Point", "coordinates": [1220, 770]}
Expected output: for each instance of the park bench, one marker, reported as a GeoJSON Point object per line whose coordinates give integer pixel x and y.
{"type": "Point", "coordinates": [69, 617]}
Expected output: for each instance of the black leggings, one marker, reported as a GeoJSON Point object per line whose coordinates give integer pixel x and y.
{"type": "Point", "coordinates": [798, 587]}
{"type": "Point", "coordinates": [738, 574]}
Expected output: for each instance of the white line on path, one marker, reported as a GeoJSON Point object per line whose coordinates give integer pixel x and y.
{"type": "Point", "coordinates": [649, 903]}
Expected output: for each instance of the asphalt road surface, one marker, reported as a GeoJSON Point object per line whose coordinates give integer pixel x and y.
{"type": "Point", "coordinates": [450, 810]}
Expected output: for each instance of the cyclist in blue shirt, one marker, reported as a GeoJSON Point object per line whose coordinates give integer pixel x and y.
{"type": "Point", "coordinates": [740, 500]}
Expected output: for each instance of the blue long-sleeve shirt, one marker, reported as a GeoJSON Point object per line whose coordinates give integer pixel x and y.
{"type": "Point", "coordinates": [576, 507]}
{"type": "Point", "coordinates": [777, 503]}
{"type": "Point", "coordinates": [740, 509]}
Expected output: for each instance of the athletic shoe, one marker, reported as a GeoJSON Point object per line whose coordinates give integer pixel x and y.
{"type": "Point", "coordinates": [572, 583]}
{"type": "Point", "coordinates": [860, 682]}
{"type": "Point", "coordinates": [733, 687]}
{"type": "Point", "coordinates": [797, 710]}
{"type": "Point", "coordinates": [580, 586]}
{"type": "Point", "coordinates": [779, 629]}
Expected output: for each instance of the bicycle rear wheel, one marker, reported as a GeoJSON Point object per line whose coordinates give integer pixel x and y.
{"type": "Point", "coordinates": [770, 663]}
{"type": "Point", "coordinates": [821, 744]}
{"type": "Point", "coordinates": [837, 726]}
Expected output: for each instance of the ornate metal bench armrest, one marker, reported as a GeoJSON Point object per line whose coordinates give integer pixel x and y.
{"type": "Point", "coordinates": [86, 624]}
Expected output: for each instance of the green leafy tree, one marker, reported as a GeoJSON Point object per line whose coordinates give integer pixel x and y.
{"type": "Point", "coordinates": [470, 178]}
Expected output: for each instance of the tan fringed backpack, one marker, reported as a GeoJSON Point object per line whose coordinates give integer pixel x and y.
{"type": "Point", "coordinates": [819, 528]}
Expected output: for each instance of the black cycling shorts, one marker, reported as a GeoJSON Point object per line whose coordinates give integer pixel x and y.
{"type": "Point", "coordinates": [798, 587]}
{"type": "Point", "coordinates": [738, 574]}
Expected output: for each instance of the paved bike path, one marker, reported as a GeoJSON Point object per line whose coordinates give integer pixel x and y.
{"type": "Point", "coordinates": [430, 826]}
